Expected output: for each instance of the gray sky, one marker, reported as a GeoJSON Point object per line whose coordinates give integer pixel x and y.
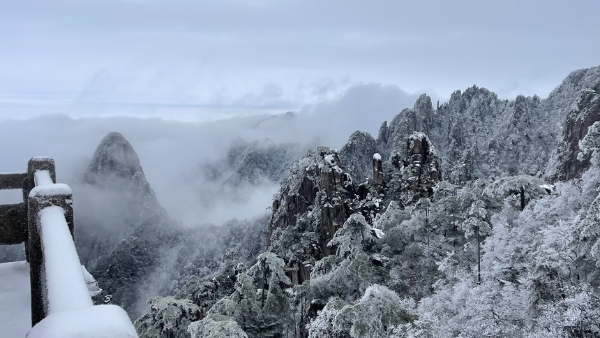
{"type": "Point", "coordinates": [344, 65]}
{"type": "Point", "coordinates": [201, 60]}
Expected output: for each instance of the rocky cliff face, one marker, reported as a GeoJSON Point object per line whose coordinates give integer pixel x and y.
{"type": "Point", "coordinates": [116, 167]}
{"type": "Point", "coordinates": [317, 180]}
{"type": "Point", "coordinates": [114, 199]}
{"type": "Point", "coordinates": [413, 172]}
{"type": "Point", "coordinates": [580, 93]}
{"type": "Point", "coordinates": [567, 163]}
{"type": "Point", "coordinates": [475, 135]}
{"type": "Point", "coordinates": [479, 135]}
{"type": "Point", "coordinates": [312, 200]}
{"type": "Point", "coordinates": [320, 194]}
{"type": "Point", "coordinates": [113, 156]}
{"type": "Point", "coordinates": [475, 124]}
{"type": "Point", "coordinates": [391, 138]}
{"type": "Point", "coordinates": [356, 155]}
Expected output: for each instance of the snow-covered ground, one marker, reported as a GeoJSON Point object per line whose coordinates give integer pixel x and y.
{"type": "Point", "coordinates": [15, 304]}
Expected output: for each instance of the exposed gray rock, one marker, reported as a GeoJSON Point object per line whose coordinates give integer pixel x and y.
{"type": "Point", "coordinates": [391, 137]}
{"type": "Point", "coordinates": [116, 165]}
{"type": "Point", "coordinates": [412, 173]}
{"type": "Point", "coordinates": [315, 193]}
{"type": "Point", "coordinates": [316, 181]}
{"type": "Point", "coordinates": [356, 155]}
{"type": "Point", "coordinates": [566, 164]}
{"type": "Point", "coordinates": [114, 156]}
{"type": "Point", "coordinates": [319, 195]}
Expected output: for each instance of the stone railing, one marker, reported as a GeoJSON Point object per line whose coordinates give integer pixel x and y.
{"type": "Point", "coordinates": [61, 305]}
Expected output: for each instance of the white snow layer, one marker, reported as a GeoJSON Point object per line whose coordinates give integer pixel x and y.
{"type": "Point", "coordinates": [92, 322]}
{"type": "Point", "coordinates": [15, 300]}
{"type": "Point", "coordinates": [46, 187]}
{"type": "Point", "coordinates": [51, 190]}
{"type": "Point", "coordinates": [42, 177]}
{"type": "Point", "coordinates": [377, 157]}
{"type": "Point", "coordinates": [91, 283]}
{"type": "Point", "coordinates": [378, 233]}
{"type": "Point", "coordinates": [65, 284]}
{"type": "Point", "coordinates": [330, 159]}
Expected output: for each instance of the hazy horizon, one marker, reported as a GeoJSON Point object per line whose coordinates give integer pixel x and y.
{"type": "Point", "coordinates": [204, 61]}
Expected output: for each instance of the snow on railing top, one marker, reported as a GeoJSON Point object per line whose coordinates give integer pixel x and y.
{"type": "Point", "coordinates": [45, 187]}
{"type": "Point", "coordinates": [65, 285]}
{"type": "Point", "coordinates": [42, 177]}
{"type": "Point", "coordinates": [57, 189]}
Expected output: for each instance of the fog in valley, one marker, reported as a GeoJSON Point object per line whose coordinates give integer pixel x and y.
{"type": "Point", "coordinates": [173, 152]}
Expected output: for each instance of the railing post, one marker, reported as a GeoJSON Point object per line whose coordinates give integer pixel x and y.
{"type": "Point", "coordinates": [26, 203]}
{"type": "Point", "coordinates": [39, 163]}
{"type": "Point", "coordinates": [36, 261]}
{"type": "Point", "coordinates": [34, 246]}
{"type": "Point", "coordinates": [36, 163]}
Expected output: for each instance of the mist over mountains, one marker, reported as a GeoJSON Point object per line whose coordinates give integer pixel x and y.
{"type": "Point", "coordinates": [473, 217]}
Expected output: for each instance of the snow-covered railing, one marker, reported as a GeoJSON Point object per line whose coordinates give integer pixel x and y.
{"type": "Point", "coordinates": [61, 305]}
{"type": "Point", "coordinates": [60, 302]}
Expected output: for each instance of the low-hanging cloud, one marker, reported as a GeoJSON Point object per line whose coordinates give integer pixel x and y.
{"type": "Point", "coordinates": [171, 151]}
{"type": "Point", "coordinates": [362, 107]}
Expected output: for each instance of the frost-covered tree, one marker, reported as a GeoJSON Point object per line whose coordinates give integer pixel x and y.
{"type": "Point", "coordinates": [519, 189]}
{"type": "Point", "coordinates": [168, 317]}
{"type": "Point", "coordinates": [477, 226]}
{"type": "Point", "coordinates": [351, 238]}
{"type": "Point", "coordinates": [215, 326]}
{"type": "Point", "coordinates": [259, 303]}
{"type": "Point", "coordinates": [324, 323]}
{"type": "Point", "coordinates": [588, 247]}
{"type": "Point", "coordinates": [354, 267]}
{"type": "Point", "coordinates": [377, 312]}
{"type": "Point", "coordinates": [575, 315]}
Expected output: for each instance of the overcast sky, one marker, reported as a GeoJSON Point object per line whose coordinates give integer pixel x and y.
{"type": "Point", "coordinates": [342, 64]}
{"type": "Point", "coordinates": [201, 60]}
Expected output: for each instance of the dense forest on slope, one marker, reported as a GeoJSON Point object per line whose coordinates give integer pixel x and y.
{"type": "Point", "coordinates": [477, 217]}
